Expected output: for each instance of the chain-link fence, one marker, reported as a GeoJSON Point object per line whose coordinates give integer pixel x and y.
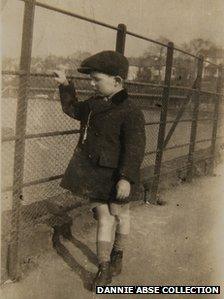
{"type": "Point", "coordinates": [182, 123]}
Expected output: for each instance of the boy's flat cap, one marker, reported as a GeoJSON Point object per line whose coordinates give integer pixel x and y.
{"type": "Point", "coordinates": [107, 62]}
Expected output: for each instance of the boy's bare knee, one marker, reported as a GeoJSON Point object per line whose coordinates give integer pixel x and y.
{"type": "Point", "coordinates": [123, 226]}
{"type": "Point", "coordinates": [122, 218]}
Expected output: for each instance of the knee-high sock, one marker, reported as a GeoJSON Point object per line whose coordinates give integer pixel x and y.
{"type": "Point", "coordinates": [103, 251]}
{"type": "Point", "coordinates": [120, 241]}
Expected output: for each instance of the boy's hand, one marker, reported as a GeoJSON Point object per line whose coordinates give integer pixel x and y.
{"type": "Point", "coordinates": [61, 78]}
{"type": "Point", "coordinates": [123, 189]}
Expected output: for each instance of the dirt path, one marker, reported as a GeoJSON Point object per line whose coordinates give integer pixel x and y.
{"type": "Point", "coordinates": [176, 244]}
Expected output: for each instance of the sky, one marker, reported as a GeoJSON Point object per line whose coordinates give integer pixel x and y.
{"type": "Point", "coordinates": [178, 20]}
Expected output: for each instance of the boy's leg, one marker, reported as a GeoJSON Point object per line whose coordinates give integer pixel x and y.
{"type": "Point", "coordinates": [104, 244]}
{"type": "Point", "coordinates": [121, 236]}
{"type": "Point", "coordinates": [104, 232]}
{"type": "Point", "coordinates": [123, 226]}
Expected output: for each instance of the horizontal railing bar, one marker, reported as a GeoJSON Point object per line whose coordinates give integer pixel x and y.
{"type": "Point", "coordinates": [44, 180]}
{"type": "Point", "coordinates": [147, 95]}
{"type": "Point", "coordinates": [42, 135]}
{"type": "Point", "coordinates": [137, 83]}
{"type": "Point", "coordinates": [13, 73]}
{"type": "Point", "coordinates": [74, 15]}
{"type": "Point", "coordinates": [205, 119]}
{"type": "Point", "coordinates": [180, 121]}
{"type": "Point", "coordinates": [182, 87]}
{"type": "Point", "coordinates": [8, 139]}
{"type": "Point", "coordinates": [86, 91]}
{"type": "Point", "coordinates": [203, 140]}
{"type": "Point", "coordinates": [186, 53]}
{"type": "Point", "coordinates": [210, 92]}
{"type": "Point", "coordinates": [53, 76]}
{"type": "Point", "coordinates": [35, 182]}
{"type": "Point", "coordinates": [47, 75]}
{"type": "Point", "coordinates": [190, 111]}
{"type": "Point", "coordinates": [212, 63]}
{"type": "Point", "coordinates": [177, 146]}
{"type": "Point", "coordinates": [192, 89]}
{"type": "Point", "coordinates": [51, 134]}
{"type": "Point", "coordinates": [146, 38]}
{"type": "Point", "coordinates": [150, 153]}
{"type": "Point", "coordinates": [18, 73]}
{"type": "Point", "coordinates": [131, 94]}
{"type": "Point", "coordinates": [167, 122]}
{"type": "Point", "coordinates": [152, 123]}
{"type": "Point", "coordinates": [90, 91]}
{"type": "Point", "coordinates": [186, 144]}
{"type": "Point", "coordinates": [55, 89]}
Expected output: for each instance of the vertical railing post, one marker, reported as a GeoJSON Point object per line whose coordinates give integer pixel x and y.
{"type": "Point", "coordinates": [21, 116]}
{"type": "Point", "coordinates": [194, 123]}
{"type": "Point", "coordinates": [215, 118]}
{"type": "Point", "coordinates": [121, 36]}
{"type": "Point", "coordinates": [162, 126]}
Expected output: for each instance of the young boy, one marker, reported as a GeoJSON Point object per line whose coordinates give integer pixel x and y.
{"type": "Point", "coordinates": [106, 162]}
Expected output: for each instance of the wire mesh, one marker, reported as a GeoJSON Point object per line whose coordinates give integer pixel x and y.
{"type": "Point", "coordinates": [147, 98]}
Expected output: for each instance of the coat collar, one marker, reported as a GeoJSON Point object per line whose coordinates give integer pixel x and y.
{"type": "Point", "coordinates": [99, 105]}
{"type": "Point", "coordinates": [119, 97]}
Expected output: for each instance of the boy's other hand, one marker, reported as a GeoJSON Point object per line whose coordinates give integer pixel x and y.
{"type": "Point", "coordinates": [60, 77]}
{"type": "Point", "coordinates": [123, 189]}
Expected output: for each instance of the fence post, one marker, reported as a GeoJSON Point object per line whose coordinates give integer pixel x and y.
{"type": "Point", "coordinates": [215, 118]}
{"type": "Point", "coordinates": [162, 126]}
{"type": "Point", "coordinates": [21, 115]}
{"type": "Point", "coordinates": [121, 36]}
{"type": "Point", "coordinates": [194, 123]}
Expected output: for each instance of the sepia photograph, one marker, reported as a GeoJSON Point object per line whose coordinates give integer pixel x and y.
{"type": "Point", "coordinates": [112, 149]}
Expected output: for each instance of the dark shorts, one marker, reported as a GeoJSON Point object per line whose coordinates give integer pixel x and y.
{"type": "Point", "coordinates": [85, 179]}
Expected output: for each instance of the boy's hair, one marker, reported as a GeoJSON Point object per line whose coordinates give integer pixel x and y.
{"type": "Point", "coordinates": [107, 62]}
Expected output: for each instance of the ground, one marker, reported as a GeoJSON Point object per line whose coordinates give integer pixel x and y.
{"type": "Point", "coordinates": [180, 243]}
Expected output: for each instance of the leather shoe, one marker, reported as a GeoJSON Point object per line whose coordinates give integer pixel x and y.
{"type": "Point", "coordinates": [103, 276]}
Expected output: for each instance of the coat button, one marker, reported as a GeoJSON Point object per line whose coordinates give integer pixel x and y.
{"type": "Point", "coordinates": [97, 134]}
{"type": "Point", "coordinates": [90, 156]}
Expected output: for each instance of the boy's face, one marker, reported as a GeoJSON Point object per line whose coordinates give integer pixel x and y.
{"type": "Point", "coordinates": [103, 84]}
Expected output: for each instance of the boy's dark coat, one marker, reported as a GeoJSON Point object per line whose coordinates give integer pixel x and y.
{"type": "Point", "coordinates": [115, 135]}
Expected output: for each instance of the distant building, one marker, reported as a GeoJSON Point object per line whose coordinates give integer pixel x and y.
{"type": "Point", "coordinates": [132, 72]}
{"type": "Point", "coordinates": [209, 71]}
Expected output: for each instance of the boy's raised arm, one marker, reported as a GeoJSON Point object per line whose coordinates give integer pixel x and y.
{"type": "Point", "coordinates": [69, 101]}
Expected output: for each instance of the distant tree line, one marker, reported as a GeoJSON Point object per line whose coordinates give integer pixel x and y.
{"type": "Point", "coordinates": [149, 67]}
